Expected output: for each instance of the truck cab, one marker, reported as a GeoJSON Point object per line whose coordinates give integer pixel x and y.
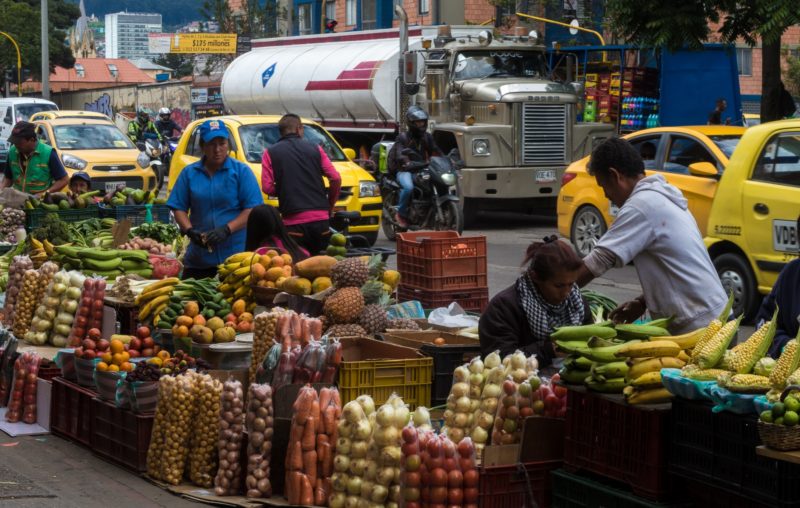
{"type": "Point", "coordinates": [752, 227]}
{"type": "Point", "coordinates": [15, 109]}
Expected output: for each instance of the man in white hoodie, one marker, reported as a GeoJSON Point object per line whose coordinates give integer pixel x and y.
{"type": "Point", "coordinates": [655, 230]}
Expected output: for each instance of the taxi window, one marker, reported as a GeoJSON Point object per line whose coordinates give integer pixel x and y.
{"type": "Point", "coordinates": [41, 133]}
{"type": "Point", "coordinates": [780, 160]}
{"type": "Point", "coordinates": [683, 152]}
{"type": "Point", "coordinates": [193, 146]}
{"type": "Point", "coordinates": [647, 146]}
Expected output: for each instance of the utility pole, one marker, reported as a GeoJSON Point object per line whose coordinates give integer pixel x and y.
{"type": "Point", "coordinates": [45, 53]}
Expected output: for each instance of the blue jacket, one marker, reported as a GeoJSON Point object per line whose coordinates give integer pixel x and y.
{"type": "Point", "coordinates": [786, 295]}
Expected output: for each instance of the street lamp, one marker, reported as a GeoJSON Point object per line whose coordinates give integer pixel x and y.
{"type": "Point", "coordinates": [19, 63]}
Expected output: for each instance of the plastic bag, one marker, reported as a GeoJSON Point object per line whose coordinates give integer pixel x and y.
{"type": "Point", "coordinates": [16, 272]}
{"type": "Point", "coordinates": [203, 454]}
{"type": "Point", "coordinates": [7, 368]}
{"type": "Point", "coordinates": [469, 471]}
{"type": "Point", "coordinates": [333, 358]}
{"type": "Point", "coordinates": [385, 452]}
{"type": "Point", "coordinates": [452, 316]}
{"type": "Point", "coordinates": [228, 479]}
{"type": "Point", "coordinates": [22, 405]}
{"type": "Point", "coordinates": [327, 433]}
{"type": "Point", "coordinates": [90, 311]}
{"type": "Point", "coordinates": [506, 422]}
{"type": "Point", "coordinates": [266, 372]}
{"type": "Point", "coordinates": [284, 373]}
{"type": "Point", "coordinates": [309, 365]}
{"type": "Point", "coordinates": [259, 423]}
{"type": "Point", "coordinates": [354, 431]}
{"type": "Point", "coordinates": [301, 457]}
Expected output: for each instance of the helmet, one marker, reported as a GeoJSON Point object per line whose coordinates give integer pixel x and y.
{"type": "Point", "coordinates": [143, 115]}
{"type": "Point", "coordinates": [415, 114]}
{"type": "Point", "coordinates": [164, 112]}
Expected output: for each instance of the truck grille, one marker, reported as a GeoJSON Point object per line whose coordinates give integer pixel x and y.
{"type": "Point", "coordinates": [544, 133]}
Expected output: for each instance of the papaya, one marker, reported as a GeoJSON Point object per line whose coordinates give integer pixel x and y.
{"type": "Point", "coordinates": [320, 284]}
{"type": "Point", "coordinates": [274, 274]}
{"type": "Point", "coordinates": [297, 286]}
{"type": "Point", "coordinates": [316, 266]}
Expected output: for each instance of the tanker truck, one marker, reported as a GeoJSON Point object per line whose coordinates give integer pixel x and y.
{"type": "Point", "coordinates": [490, 97]}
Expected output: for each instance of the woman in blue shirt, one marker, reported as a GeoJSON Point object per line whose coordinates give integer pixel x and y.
{"type": "Point", "coordinates": [212, 200]}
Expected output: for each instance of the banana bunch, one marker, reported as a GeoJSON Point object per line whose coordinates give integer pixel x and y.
{"type": "Point", "coordinates": [234, 276]}
{"type": "Point", "coordinates": [154, 299]}
{"type": "Point", "coordinates": [103, 240]}
{"type": "Point", "coordinates": [41, 251]}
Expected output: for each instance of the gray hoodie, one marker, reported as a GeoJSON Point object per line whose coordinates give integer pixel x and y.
{"type": "Point", "coordinates": [656, 231]}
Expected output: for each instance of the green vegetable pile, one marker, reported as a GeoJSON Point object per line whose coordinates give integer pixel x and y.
{"type": "Point", "coordinates": [158, 231]}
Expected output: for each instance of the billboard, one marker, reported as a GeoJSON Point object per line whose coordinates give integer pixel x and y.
{"type": "Point", "coordinates": [190, 43]}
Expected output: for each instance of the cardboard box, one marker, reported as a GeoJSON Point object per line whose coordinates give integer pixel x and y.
{"type": "Point", "coordinates": [414, 339]}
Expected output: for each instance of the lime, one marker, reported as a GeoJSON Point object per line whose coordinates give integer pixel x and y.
{"type": "Point", "coordinates": [778, 421]}
{"type": "Point", "coordinates": [766, 416]}
{"type": "Point", "coordinates": [791, 404]}
{"type": "Point", "coordinates": [778, 409]}
{"type": "Point", "coordinates": [790, 418]}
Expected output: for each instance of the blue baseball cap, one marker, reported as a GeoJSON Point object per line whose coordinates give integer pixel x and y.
{"type": "Point", "coordinates": [211, 129]}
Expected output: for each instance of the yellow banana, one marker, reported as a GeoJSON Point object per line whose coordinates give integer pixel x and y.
{"type": "Point", "coordinates": [49, 248]}
{"type": "Point", "coordinates": [647, 380]}
{"type": "Point", "coordinates": [156, 320]}
{"type": "Point", "coordinates": [171, 281]}
{"type": "Point", "coordinates": [653, 365]}
{"type": "Point", "coordinates": [684, 356]}
{"type": "Point", "coordinates": [36, 244]}
{"type": "Point", "coordinates": [651, 396]}
{"type": "Point", "coordinates": [152, 305]}
{"type": "Point", "coordinates": [241, 291]}
{"type": "Point", "coordinates": [241, 272]}
{"type": "Point", "coordinates": [238, 258]}
{"type": "Point", "coordinates": [652, 348]}
{"type": "Point", "coordinates": [225, 288]}
{"type": "Point", "coordinates": [687, 340]}
{"type": "Point", "coordinates": [152, 295]}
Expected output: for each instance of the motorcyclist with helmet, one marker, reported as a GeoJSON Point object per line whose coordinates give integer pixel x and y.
{"type": "Point", "coordinates": [411, 151]}
{"type": "Point", "coordinates": [165, 124]}
{"type": "Point", "coordinates": [140, 126]}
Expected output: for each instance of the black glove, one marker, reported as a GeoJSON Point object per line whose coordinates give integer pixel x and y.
{"type": "Point", "coordinates": [195, 236]}
{"type": "Point", "coordinates": [217, 236]}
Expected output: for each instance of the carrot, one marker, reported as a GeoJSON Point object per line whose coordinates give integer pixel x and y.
{"type": "Point", "coordinates": [283, 325]}
{"type": "Point", "coordinates": [296, 457]}
{"type": "Point", "coordinates": [316, 328]}
{"type": "Point", "coordinates": [310, 465]}
{"type": "Point", "coordinates": [306, 492]}
{"type": "Point", "coordinates": [303, 405]}
{"type": "Point", "coordinates": [309, 435]}
{"type": "Point", "coordinates": [305, 332]}
{"type": "Point", "coordinates": [326, 459]}
{"type": "Point", "coordinates": [329, 419]}
{"type": "Point", "coordinates": [320, 495]}
{"type": "Point", "coordinates": [295, 490]}
{"type": "Point", "coordinates": [296, 326]}
{"type": "Point", "coordinates": [296, 433]}
{"type": "Point", "coordinates": [315, 413]}
{"type": "Point", "coordinates": [324, 398]}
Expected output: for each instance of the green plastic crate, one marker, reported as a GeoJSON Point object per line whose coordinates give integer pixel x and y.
{"type": "Point", "coordinates": [575, 491]}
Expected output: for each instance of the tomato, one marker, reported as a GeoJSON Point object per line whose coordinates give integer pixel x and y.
{"type": "Point", "coordinates": [471, 495]}
{"type": "Point", "coordinates": [454, 480]}
{"type": "Point", "coordinates": [449, 464]}
{"type": "Point", "coordinates": [455, 496]}
{"type": "Point", "coordinates": [438, 479]}
{"type": "Point", "coordinates": [438, 495]}
{"type": "Point", "coordinates": [471, 478]}
{"type": "Point", "coordinates": [412, 479]}
{"type": "Point", "coordinates": [559, 390]}
{"type": "Point", "coordinates": [465, 448]}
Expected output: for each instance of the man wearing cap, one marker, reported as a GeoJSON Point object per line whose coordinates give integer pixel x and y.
{"type": "Point", "coordinates": [80, 182]}
{"type": "Point", "coordinates": [212, 199]}
{"type": "Point", "coordinates": [33, 166]}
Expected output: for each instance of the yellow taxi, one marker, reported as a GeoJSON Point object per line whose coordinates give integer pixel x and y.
{"type": "Point", "coordinates": [99, 148]}
{"type": "Point", "coordinates": [690, 158]}
{"type": "Point", "coordinates": [67, 113]}
{"type": "Point", "coordinates": [250, 135]}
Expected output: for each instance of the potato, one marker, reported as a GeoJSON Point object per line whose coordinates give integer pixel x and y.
{"type": "Point", "coordinates": [259, 427]}
{"type": "Point", "coordinates": [228, 479]}
{"type": "Point", "coordinates": [203, 457]}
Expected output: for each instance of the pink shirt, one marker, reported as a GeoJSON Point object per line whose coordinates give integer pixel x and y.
{"type": "Point", "coordinates": [335, 181]}
{"type": "Point", "coordinates": [276, 243]}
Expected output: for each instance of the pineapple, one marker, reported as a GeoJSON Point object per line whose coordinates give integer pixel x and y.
{"type": "Point", "coordinates": [344, 305]}
{"type": "Point", "coordinates": [349, 272]}
{"type": "Point", "coordinates": [351, 330]}
{"type": "Point", "coordinates": [402, 324]}
{"type": "Point", "coordinates": [373, 292]}
{"type": "Point", "coordinates": [374, 319]}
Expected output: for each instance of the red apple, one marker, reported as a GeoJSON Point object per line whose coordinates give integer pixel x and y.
{"type": "Point", "coordinates": [148, 342]}
{"type": "Point", "coordinates": [89, 354]}
{"type": "Point", "coordinates": [143, 332]}
{"type": "Point", "coordinates": [147, 352]}
{"type": "Point", "coordinates": [94, 333]}
{"type": "Point", "coordinates": [78, 352]}
{"type": "Point", "coordinates": [133, 353]}
{"type": "Point", "coordinates": [102, 345]}
{"type": "Point", "coordinates": [89, 344]}
{"type": "Point", "coordinates": [135, 344]}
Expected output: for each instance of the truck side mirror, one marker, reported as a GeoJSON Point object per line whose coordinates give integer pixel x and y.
{"type": "Point", "coordinates": [349, 153]}
{"type": "Point", "coordinates": [702, 169]}
{"type": "Point", "coordinates": [578, 88]}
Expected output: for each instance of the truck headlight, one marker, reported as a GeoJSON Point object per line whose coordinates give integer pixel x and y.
{"type": "Point", "coordinates": [368, 189]}
{"type": "Point", "coordinates": [73, 162]}
{"type": "Point", "coordinates": [480, 147]}
{"type": "Point", "coordinates": [143, 160]}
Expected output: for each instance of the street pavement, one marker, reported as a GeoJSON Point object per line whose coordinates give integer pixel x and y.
{"type": "Point", "coordinates": [47, 471]}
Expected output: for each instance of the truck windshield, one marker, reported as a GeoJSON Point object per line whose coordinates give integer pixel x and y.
{"type": "Point", "coordinates": [257, 138]}
{"type": "Point", "coordinates": [500, 63]}
{"type": "Point", "coordinates": [24, 111]}
{"type": "Point", "coordinates": [726, 143]}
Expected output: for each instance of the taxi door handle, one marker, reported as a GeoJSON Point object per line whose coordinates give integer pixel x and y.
{"type": "Point", "coordinates": [761, 208]}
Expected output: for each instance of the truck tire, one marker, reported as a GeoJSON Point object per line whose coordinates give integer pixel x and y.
{"type": "Point", "coordinates": [737, 277]}
{"type": "Point", "coordinates": [587, 227]}
{"type": "Point", "coordinates": [469, 213]}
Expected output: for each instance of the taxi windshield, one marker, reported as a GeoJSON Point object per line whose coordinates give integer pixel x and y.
{"type": "Point", "coordinates": [500, 63]}
{"type": "Point", "coordinates": [726, 143]}
{"type": "Point", "coordinates": [90, 137]}
{"type": "Point", "coordinates": [257, 138]}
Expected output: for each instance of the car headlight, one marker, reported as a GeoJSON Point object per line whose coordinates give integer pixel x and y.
{"type": "Point", "coordinates": [449, 179]}
{"type": "Point", "coordinates": [480, 147]}
{"type": "Point", "coordinates": [143, 160]}
{"type": "Point", "coordinates": [73, 162]}
{"type": "Point", "coordinates": [368, 189]}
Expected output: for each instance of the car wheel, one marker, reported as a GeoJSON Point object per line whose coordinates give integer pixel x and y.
{"type": "Point", "coordinates": [588, 226]}
{"type": "Point", "coordinates": [737, 278]}
{"type": "Point", "coordinates": [387, 219]}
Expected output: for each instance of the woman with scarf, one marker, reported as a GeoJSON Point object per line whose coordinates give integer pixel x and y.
{"type": "Point", "coordinates": [543, 298]}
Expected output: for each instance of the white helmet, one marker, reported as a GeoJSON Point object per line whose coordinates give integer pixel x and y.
{"type": "Point", "coordinates": [164, 111]}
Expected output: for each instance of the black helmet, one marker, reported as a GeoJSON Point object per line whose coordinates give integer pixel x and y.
{"type": "Point", "coordinates": [415, 114]}
{"type": "Point", "coordinates": [142, 115]}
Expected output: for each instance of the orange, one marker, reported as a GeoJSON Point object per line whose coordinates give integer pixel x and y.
{"type": "Point", "coordinates": [163, 355]}
{"type": "Point", "coordinates": [119, 358]}
{"type": "Point", "coordinates": [155, 361]}
{"type": "Point", "coordinates": [438, 341]}
{"type": "Point", "coordinates": [126, 356]}
{"type": "Point", "coordinates": [127, 367]}
{"type": "Point", "coordinates": [106, 357]}
{"type": "Point", "coordinates": [199, 320]}
{"type": "Point", "coordinates": [102, 366]}
{"type": "Point", "coordinates": [113, 368]}
{"type": "Point", "coordinates": [183, 331]}
{"type": "Point", "coordinates": [117, 346]}
{"type": "Point", "coordinates": [191, 309]}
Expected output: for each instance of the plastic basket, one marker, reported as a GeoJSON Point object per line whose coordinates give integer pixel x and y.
{"type": "Point", "coordinates": [773, 482]}
{"type": "Point", "coordinates": [84, 370]}
{"type": "Point", "coordinates": [120, 436]}
{"type": "Point", "coordinates": [518, 485]}
{"type": "Point", "coordinates": [137, 214]}
{"type": "Point", "coordinates": [711, 495]}
{"type": "Point", "coordinates": [437, 260]}
{"type": "Point", "coordinates": [692, 438]}
{"type": "Point", "coordinates": [377, 369]}
{"type": "Point", "coordinates": [734, 447]}
{"type": "Point", "coordinates": [70, 411]}
{"type": "Point", "coordinates": [575, 491]}
{"type": "Point", "coordinates": [34, 217]}
{"type": "Point", "coordinates": [605, 436]}
{"type": "Point", "coordinates": [474, 300]}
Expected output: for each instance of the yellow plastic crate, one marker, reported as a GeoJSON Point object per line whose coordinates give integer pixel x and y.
{"type": "Point", "coordinates": [379, 369]}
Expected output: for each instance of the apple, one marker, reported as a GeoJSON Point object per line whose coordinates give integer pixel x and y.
{"type": "Point", "coordinates": [148, 342]}
{"type": "Point", "coordinates": [78, 352]}
{"type": "Point", "coordinates": [102, 345]}
{"type": "Point", "coordinates": [133, 353]}
{"type": "Point", "coordinates": [135, 344]}
{"type": "Point", "coordinates": [89, 344]}
{"type": "Point", "coordinates": [94, 333]}
{"type": "Point", "coordinates": [143, 332]}
{"type": "Point", "coordinates": [147, 352]}
{"type": "Point", "coordinates": [89, 354]}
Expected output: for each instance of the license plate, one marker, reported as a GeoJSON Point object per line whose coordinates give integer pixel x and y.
{"type": "Point", "coordinates": [110, 186]}
{"type": "Point", "coordinates": [546, 176]}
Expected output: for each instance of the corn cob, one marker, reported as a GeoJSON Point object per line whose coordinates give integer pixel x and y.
{"type": "Point", "coordinates": [764, 366]}
{"type": "Point", "coordinates": [698, 374]}
{"type": "Point", "coordinates": [712, 329]}
{"type": "Point", "coordinates": [712, 352]}
{"type": "Point", "coordinates": [794, 378]}
{"type": "Point", "coordinates": [744, 383]}
{"type": "Point", "coordinates": [745, 355]}
{"type": "Point", "coordinates": [787, 364]}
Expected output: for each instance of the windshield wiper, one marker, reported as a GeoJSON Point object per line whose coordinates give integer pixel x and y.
{"type": "Point", "coordinates": [496, 74]}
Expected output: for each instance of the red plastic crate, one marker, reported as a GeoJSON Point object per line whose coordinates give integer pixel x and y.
{"type": "Point", "coordinates": [441, 260]}
{"type": "Point", "coordinates": [605, 436]}
{"type": "Point", "coordinates": [48, 370]}
{"type": "Point", "coordinates": [474, 300]}
{"type": "Point", "coordinates": [121, 436]}
{"type": "Point", "coordinates": [70, 407]}
{"type": "Point", "coordinates": [515, 484]}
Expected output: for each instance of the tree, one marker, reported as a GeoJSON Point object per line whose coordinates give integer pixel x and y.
{"type": "Point", "coordinates": [181, 64]}
{"type": "Point", "coordinates": [22, 20]}
{"type": "Point", "coordinates": [674, 25]}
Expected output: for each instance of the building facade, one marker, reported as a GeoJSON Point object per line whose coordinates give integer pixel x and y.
{"type": "Point", "coordinates": [127, 34]}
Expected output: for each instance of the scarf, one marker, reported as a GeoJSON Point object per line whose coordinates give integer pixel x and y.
{"type": "Point", "coordinates": [544, 317]}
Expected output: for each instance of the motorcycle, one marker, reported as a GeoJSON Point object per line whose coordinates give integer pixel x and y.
{"type": "Point", "coordinates": [168, 147]}
{"type": "Point", "coordinates": [434, 200]}
{"type": "Point", "coordinates": [151, 146]}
